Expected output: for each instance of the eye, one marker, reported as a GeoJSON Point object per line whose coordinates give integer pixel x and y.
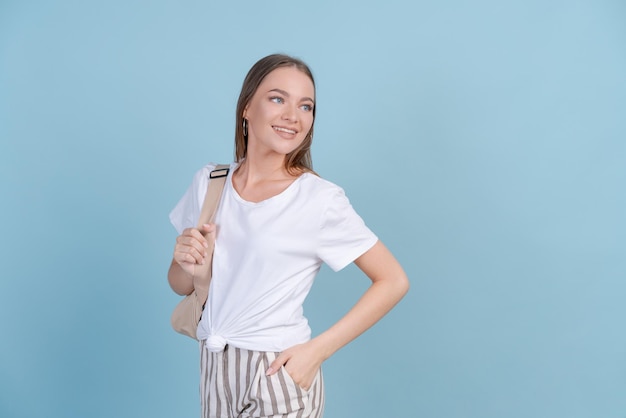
{"type": "Point", "coordinates": [307, 107]}
{"type": "Point", "coordinates": [277, 99]}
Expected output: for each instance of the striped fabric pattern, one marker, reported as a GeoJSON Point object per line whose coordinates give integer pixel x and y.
{"type": "Point", "coordinates": [233, 384]}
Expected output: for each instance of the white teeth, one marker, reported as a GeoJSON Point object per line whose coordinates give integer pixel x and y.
{"type": "Point", "coordinates": [289, 131]}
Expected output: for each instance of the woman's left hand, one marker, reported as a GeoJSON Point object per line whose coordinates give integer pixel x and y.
{"type": "Point", "coordinates": [301, 361]}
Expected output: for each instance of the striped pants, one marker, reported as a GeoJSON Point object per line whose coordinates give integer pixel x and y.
{"type": "Point", "coordinates": [233, 384]}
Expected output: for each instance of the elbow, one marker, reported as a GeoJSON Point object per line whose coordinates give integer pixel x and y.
{"type": "Point", "coordinates": [402, 285]}
{"type": "Point", "coordinates": [397, 286]}
{"type": "Point", "coordinates": [180, 290]}
{"type": "Point", "coordinates": [181, 285]}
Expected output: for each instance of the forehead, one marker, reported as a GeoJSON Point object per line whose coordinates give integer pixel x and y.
{"type": "Point", "coordinates": [289, 79]}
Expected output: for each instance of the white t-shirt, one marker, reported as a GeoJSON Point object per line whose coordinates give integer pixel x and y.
{"type": "Point", "coordinates": [267, 255]}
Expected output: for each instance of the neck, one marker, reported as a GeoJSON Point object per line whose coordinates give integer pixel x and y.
{"type": "Point", "coordinates": [263, 169]}
{"type": "Point", "coordinates": [259, 179]}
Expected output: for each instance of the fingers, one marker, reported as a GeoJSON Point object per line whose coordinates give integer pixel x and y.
{"type": "Point", "coordinates": [301, 362]}
{"type": "Point", "coordinates": [277, 364]}
{"type": "Point", "coordinates": [189, 250]}
{"type": "Point", "coordinates": [303, 377]}
{"type": "Point", "coordinates": [188, 254]}
{"type": "Point", "coordinates": [191, 245]}
{"type": "Point", "coordinates": [195, 233]}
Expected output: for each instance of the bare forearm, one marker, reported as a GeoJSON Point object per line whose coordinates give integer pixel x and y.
{"type": "Point", "coordinates": [373, 305]}
{"type": "Point", "coordinates": [180, 281]}
{"type": "Point", "coordinates": [389, 285]}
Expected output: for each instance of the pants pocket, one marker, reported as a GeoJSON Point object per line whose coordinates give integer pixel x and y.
{"type": "Point", "coordinates": [288, 378]}
{"type": "Point", "coordinates": [277, 394]}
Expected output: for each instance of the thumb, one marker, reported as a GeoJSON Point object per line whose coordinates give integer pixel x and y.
{"type": "Point", "coordinates": [276, 364]}
{"type": "Point", "coordinates": [206, 229]}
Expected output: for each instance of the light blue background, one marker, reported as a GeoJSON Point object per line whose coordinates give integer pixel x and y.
{"type": "Point", "coordinates": [484, 141]}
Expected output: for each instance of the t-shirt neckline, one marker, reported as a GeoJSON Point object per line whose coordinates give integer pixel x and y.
{"type": "Point", "coordinates": [278, 196]}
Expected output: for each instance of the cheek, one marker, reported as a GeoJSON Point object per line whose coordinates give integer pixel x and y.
{"type": "Point", "coordinates": [256, 111]}
{"type": "Point", "coordinates": [307, 121]}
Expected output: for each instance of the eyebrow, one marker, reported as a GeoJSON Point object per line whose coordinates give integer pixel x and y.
{"type": "Point", "coordinates": [283, 92]}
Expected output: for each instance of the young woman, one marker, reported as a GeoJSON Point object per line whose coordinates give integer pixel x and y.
{"type": "Point", "coordinates": [277, 222]}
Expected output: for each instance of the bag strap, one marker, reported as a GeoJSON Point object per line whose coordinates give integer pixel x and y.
{"type": "Point", "coordinates": [202, 273]}
{"type": "Point", "coordinates": [217, 180]}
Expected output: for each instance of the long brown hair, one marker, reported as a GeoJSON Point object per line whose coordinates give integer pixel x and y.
{"type": "Point", "coordinates": [298, 160]}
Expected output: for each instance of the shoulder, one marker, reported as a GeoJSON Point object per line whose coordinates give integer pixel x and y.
{"type": "Point", "coordinates": [324, 194]}
{"type": "Point", "coordinates": [201, 177]}
{"type": "Point", "coordinates": [317, 185]}
{"type": "Point", "coordinates": [205, 170]}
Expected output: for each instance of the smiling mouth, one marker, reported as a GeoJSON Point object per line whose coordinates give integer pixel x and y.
{"type": "Point", "coordinates": [286, 130]}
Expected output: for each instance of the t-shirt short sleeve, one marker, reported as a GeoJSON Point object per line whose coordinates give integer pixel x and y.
{"type": "Point", "coordinates": [187, 211]}
{"type": "Point", "coordinates": [344, 235]}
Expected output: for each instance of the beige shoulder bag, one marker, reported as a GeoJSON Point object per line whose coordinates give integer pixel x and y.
{"type": "Point", "coordinates": [187, 313]}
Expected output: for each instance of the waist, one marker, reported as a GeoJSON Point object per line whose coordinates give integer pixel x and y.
{"type": "Point", "coordinates": [275, 339]}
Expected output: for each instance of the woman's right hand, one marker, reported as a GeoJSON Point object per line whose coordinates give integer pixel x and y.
{"type": "Point", "coordinates": [191, 247]}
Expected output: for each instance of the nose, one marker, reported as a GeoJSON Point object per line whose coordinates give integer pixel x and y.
{"type": "Point", "coordinates": [289, 113]}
